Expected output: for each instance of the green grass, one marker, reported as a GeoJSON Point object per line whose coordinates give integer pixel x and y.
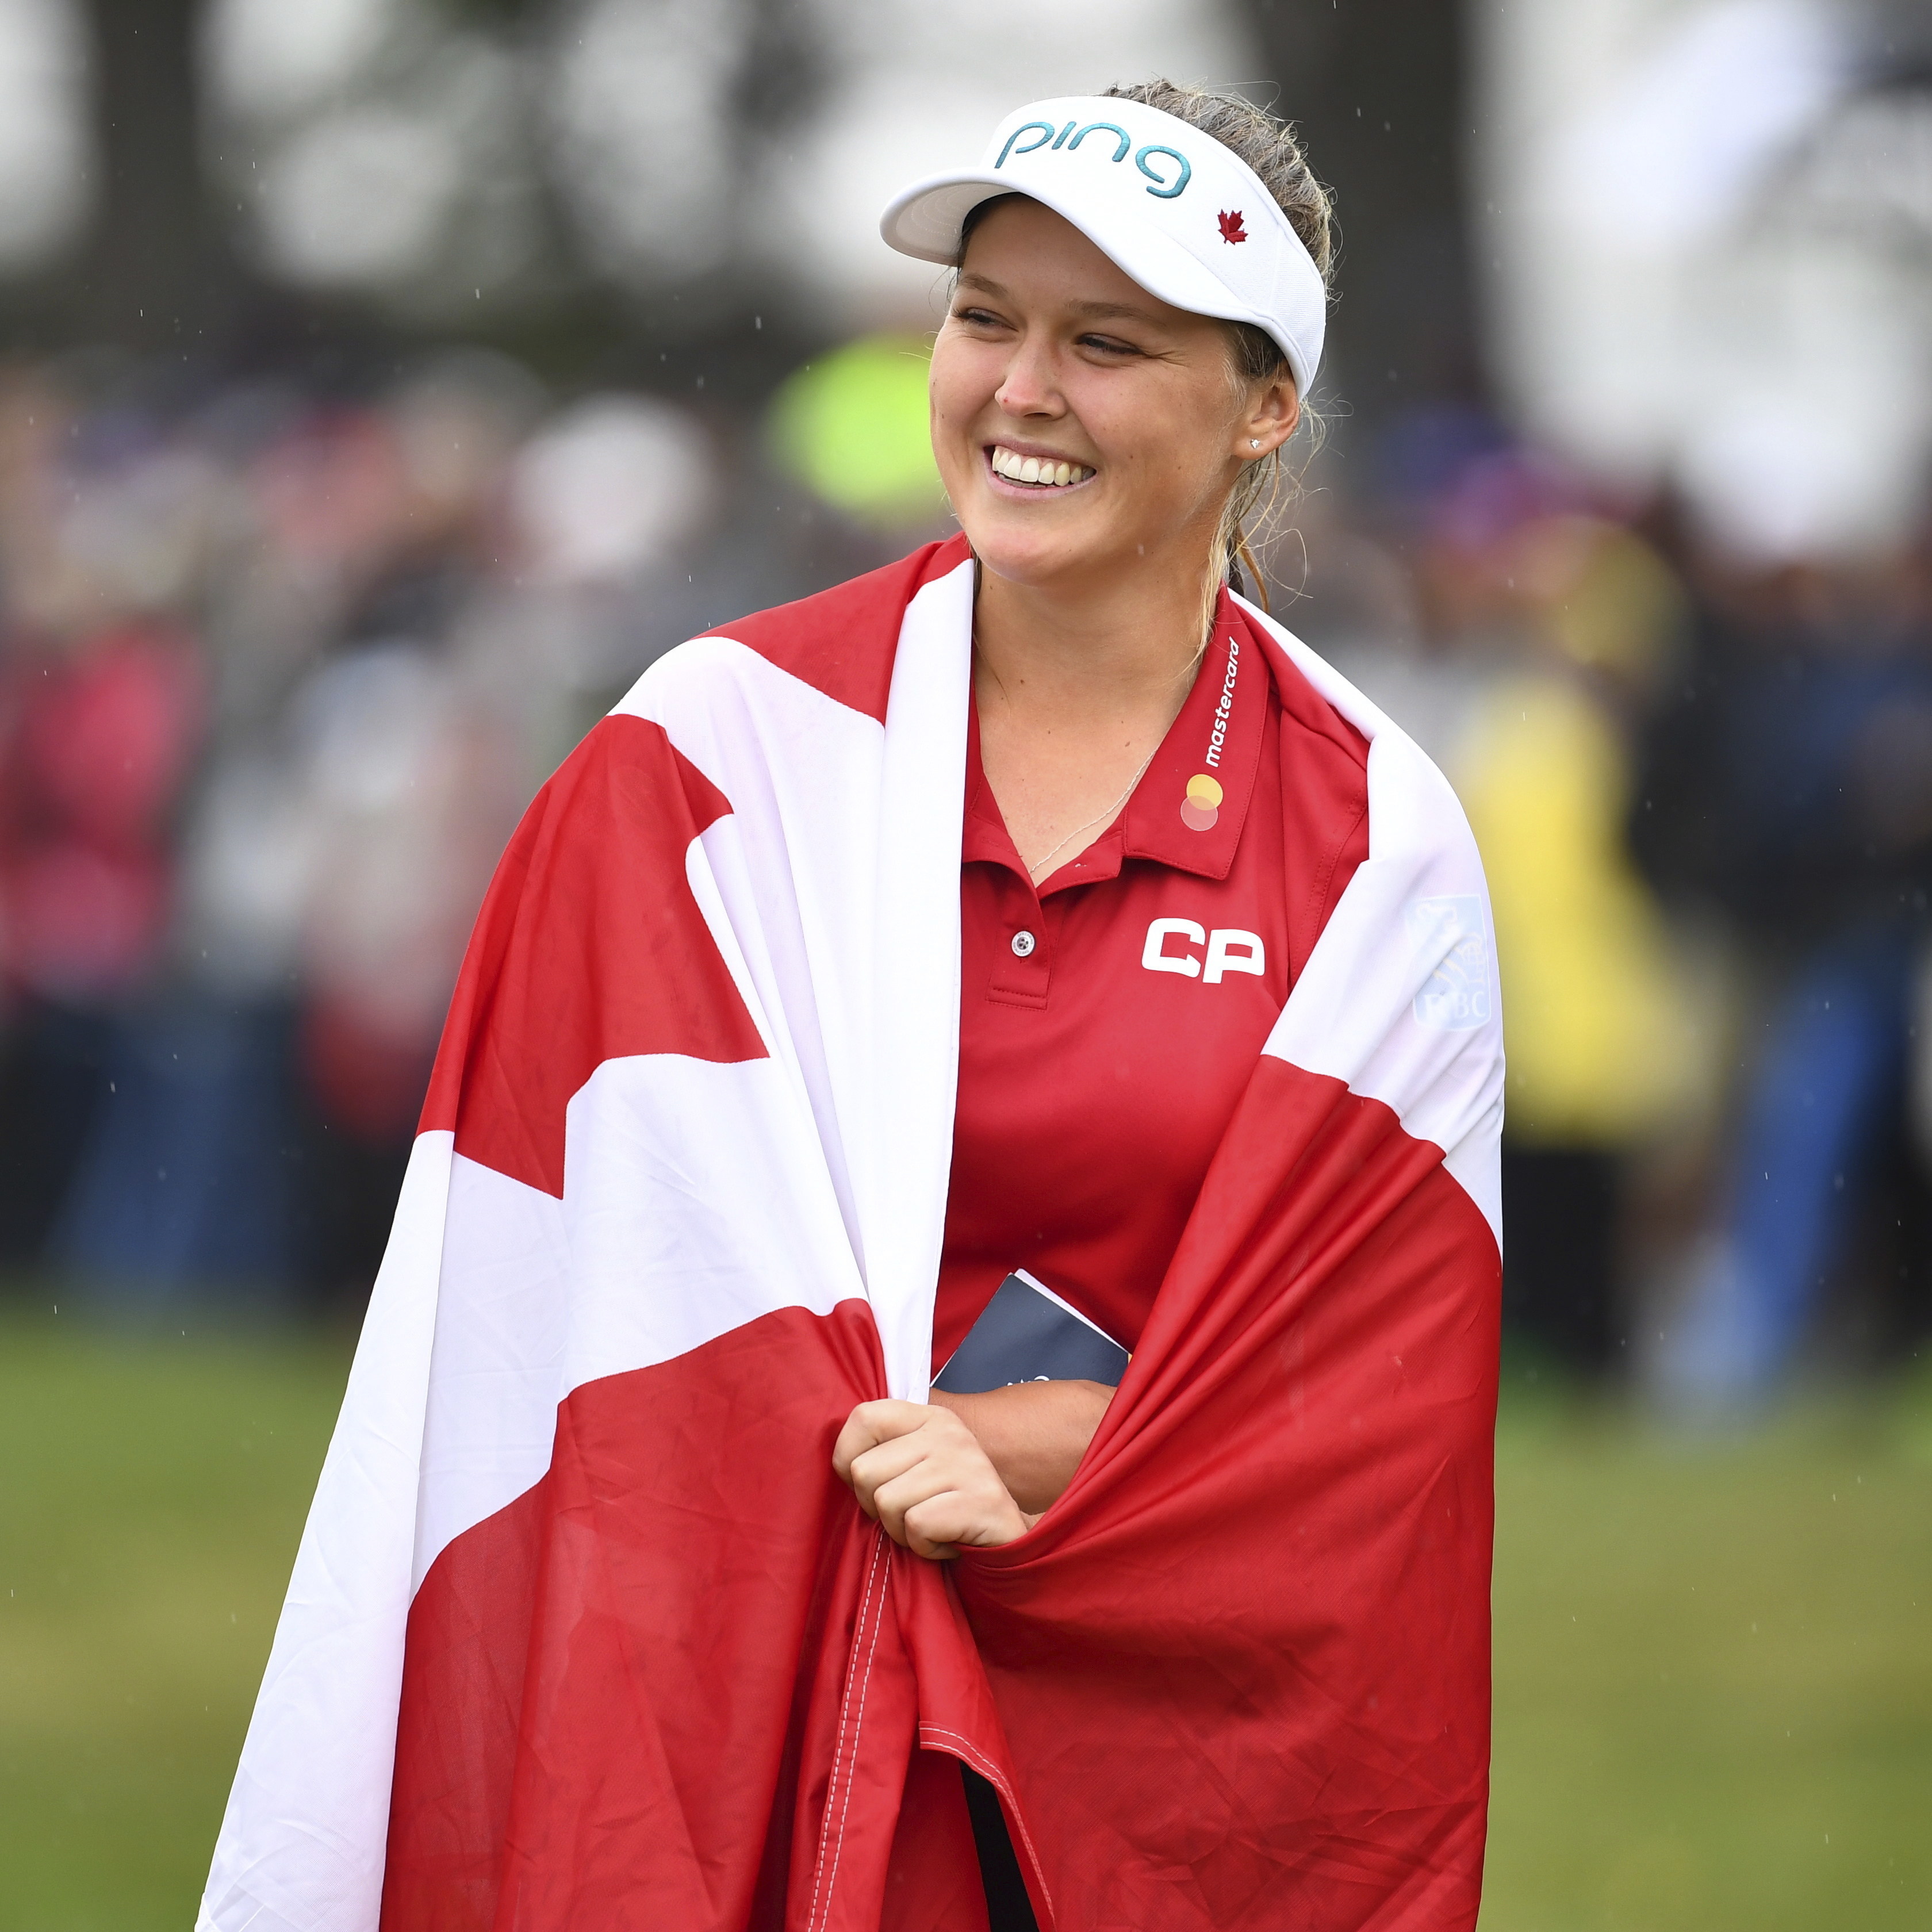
{"type": "Point", "coordinates": [1714, 1673]}
{"type": "Point", "coordinates": [151, 1494]}
{"type": "Point", "coordinates": [1714, 1658]}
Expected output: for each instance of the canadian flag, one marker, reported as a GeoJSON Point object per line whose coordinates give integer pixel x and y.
{"type": "Point", "coordinates": [584, 1632]}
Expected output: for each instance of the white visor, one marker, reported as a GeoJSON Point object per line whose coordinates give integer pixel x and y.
{"type": "Point", "coordinates": [1186, 218]}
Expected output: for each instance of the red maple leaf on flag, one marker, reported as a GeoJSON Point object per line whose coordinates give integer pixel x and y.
{"type": "Point", "coordinates": [1232, 230]}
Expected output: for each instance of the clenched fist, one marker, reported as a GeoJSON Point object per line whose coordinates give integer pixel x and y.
{"type": "Point", "coordinates": [921, 1473]}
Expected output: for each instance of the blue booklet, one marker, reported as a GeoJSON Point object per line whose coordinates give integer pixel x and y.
{"type": "Point", "coordinates": [1026, 1333]}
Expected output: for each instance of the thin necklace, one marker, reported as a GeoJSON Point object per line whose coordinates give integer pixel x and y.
{"type": "Point", "coordinates": [1039, 866]}
{"type": "Point", "coordinates": [1105, 812]}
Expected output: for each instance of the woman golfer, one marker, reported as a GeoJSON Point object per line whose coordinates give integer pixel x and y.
{"type": "Point", "coordinates": [937, 1362]}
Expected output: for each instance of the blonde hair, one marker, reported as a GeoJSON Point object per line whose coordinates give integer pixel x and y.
{"type": "Point", "coordinates": [1270, 148]}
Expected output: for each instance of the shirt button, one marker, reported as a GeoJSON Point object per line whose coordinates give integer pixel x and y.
{"type": "Point", "coordinates": [1023, 943]}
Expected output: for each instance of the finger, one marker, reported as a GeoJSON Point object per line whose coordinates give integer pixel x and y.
{"type": "Point", "coordinates": [883, 1463]}
{"type": "Point", "coordinates": [943, 1454]}
{"type": "Point", "coordinates": [940, 1525]}
{"type": "Point", "coordinates": [932, 1527]}
{"type": "Point", "coordinates": [854, 1439]}
{"type": "Point", "coordinates": [958, 1518]}
{"type": "Point", "coordinates": [920, 1484]}
{"type": "Point", "coordinates": [870, 1423]}
{"type": "Point", "coordinates": [971, 1501]}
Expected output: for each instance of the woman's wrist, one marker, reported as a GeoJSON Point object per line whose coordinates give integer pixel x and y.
{"type": "Point", "coordinates": [1034, 1434]}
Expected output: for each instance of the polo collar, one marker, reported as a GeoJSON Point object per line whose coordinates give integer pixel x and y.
{"type": "Point", "coordinates": [1215, 744]}
{"type": "Point", "coordinates": [1188, 810]}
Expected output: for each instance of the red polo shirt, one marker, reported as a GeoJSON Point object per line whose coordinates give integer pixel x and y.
{"type": "Point", "coordinates": [1110, 1019]}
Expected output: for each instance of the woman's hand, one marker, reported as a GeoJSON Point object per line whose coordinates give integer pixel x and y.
{"type": "Point", "coordinates": [921, 1473]}
{"type": "Point", "coordinates": [977, 1469]}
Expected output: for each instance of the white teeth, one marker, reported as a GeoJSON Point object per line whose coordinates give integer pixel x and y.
{"type": "Point", "coordinates": [1046, 470]}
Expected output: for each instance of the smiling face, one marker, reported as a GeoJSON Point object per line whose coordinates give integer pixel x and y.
{"type": "Point", "coordinates": [1084, 427]}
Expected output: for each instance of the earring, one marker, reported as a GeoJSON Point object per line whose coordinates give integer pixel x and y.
{"type": "Point", "coordinates": [1254, 443]}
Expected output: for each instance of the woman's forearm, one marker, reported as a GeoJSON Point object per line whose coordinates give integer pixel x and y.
{"type": "Point", "coordinates": [1034, 1433]}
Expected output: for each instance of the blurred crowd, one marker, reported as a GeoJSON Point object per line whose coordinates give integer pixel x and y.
{"type": "Point", "coordinates": [279, 669]}
{"type": "Point", "coordinates": [1700, 768]}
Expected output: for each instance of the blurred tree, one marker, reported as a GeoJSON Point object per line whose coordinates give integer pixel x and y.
{"type": "Point", "coordinates": [1378, 89]}
{"type": "Point", "coordinates": [155, 269]}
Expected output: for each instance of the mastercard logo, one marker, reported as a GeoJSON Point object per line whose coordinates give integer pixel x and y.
{"type": "Point", "coordinates": [1201, 807]}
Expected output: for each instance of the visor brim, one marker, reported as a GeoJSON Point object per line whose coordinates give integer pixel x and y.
{"type": "Point", "coordinates": [924, 220]}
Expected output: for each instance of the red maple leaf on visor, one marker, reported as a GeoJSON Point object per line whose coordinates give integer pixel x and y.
{"type": "Point", "coordinates": [1232, 230]}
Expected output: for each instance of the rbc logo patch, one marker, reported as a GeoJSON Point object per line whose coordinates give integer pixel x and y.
{"type": "Point", "coordinates": [1447, 934]}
